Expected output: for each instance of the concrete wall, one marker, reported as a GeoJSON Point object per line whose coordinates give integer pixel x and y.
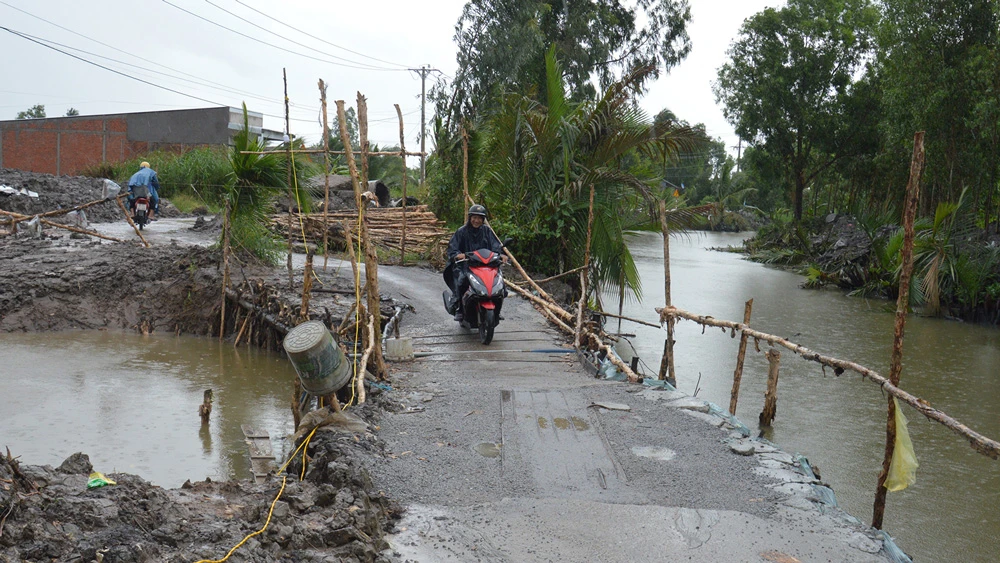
{"type": "Point", "coordinates": [67, 145]}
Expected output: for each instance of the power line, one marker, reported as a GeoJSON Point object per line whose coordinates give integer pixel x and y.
{"type": "Point", "coordinates": [113, 48]}
{"type": "Point", "coordinates": [292, 40]}
{"type": "Point", "coordinates": [256, 40]}
{"type": "Point", "coordinates": [126, 75]}
{"type": "Point", "coordinates": [317, 38]}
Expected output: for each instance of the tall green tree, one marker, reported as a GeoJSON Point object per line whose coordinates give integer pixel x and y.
{"type": "Point", "coordinates": [537, 162]}
{"type": "Point", "coordinates": [36, 111]}
{"type": "Point", "coordinates": [72, 112]}
{"type": "Point", "coordinates": [502, 44]}
{"type": "Point", "coordinates": [789, 83]}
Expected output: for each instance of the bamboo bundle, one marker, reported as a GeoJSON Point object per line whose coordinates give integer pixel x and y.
{"type": "Point", "coordinates": [424, 231]}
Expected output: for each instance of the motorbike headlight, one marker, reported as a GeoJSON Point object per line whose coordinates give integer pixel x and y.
{"type": "Point", "coordinates": [477, 284]}
{"type": "Point", "coordinates": [497, 284]}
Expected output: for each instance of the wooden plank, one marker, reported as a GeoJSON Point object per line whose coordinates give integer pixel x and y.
{"type": "Point", "coordinates": [261, 456]}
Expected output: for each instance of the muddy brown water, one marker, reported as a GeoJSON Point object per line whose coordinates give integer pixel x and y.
{"type": "Point", "coordinates": [950, 514]}
{"type": "Point", "coordinates": [131, 402]}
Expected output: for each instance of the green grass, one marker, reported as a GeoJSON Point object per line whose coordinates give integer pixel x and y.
{"type": "Point", "coordinates": [188, 201]}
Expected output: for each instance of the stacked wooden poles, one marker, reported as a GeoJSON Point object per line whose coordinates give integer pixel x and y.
{"type": "Point", "coordinates": [667, 362]}
{"type": "Point", "coordinates": [326, 175]}
{"type": "Point", "coordinates": [402, 155]}
{"type": "Point", "coordinates": [902, 307]}
{"type": "Point", "coordinates": [738, 374]}
{"type": "Point", "coordinates": [584, 274]}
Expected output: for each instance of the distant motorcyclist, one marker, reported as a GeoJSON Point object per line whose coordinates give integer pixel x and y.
{"type": "Point", "coordinates": [146, 176]}
{"type": "Point", "coordinates": [469, 238]}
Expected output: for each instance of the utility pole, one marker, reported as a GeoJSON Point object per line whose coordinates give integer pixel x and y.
{"type": "Point", "coordinates": [423, 71]}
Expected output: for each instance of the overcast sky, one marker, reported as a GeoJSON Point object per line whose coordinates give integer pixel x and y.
{"type": "Point", "coordinates": [358, 46]}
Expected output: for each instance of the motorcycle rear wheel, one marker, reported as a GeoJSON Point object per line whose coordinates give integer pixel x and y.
{"type": "Point", "coordinates": [486, 326]}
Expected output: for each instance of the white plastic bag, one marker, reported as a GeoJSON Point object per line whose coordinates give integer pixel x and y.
{"type": "Point", "coordinates": [110, 190]}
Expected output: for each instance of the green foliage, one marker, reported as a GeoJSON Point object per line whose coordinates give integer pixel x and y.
{"type": "Point", "coordinates": [252, 184]}
{"type": "Point", "coordinates": [502, 44]}
{"type": "Point", "coordinates": [72, 112]}
{"type": "Point", "coordinates": [790, 81]}
{"type": "Point", "coordinates": [36, 111]}
{"type": "Point", "coordinates": [537, 161]}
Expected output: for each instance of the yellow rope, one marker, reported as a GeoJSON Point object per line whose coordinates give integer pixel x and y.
{"type": "Point", "coordinates": [260, 531]}
{"type": "Point", "coordinates": [357, 314]}
{"type": "Point", "coordinates": [295, 186]}
{"type": "Point", "coordinates": [304, 446]}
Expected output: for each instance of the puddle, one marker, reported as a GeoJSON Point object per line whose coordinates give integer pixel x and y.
{"type": "Point", "coordinates": [487, 449]}
{"type": "Point", "coordinates": [131, 402]}
{"type": "Point", "coordinates": [653, 452]}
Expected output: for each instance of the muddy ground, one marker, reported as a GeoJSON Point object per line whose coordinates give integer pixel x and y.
{"type": "Point", "coordinates": [63, 282]}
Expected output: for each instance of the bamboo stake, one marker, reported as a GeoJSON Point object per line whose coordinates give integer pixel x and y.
{"type": "Point", "coordinates": [326, 174]}
{"type": "Point", "coordinates": [402, 155]}
{"type": "Point", "coordinates": [79, 230]}
{"type": "Point", "coordinates": [225, 269]}
{"type": "Point", "coordinates": [57, 212]}
{"type": "Point", "coordinates": [242, 328]}
{"type": "Point", "coordinates": [637, 321]}
{"type": "Point", "coordinates": [902, 307]}
{"type": "Point", "coordinates": [288, 164]}
{"type": "Point", "coordinates": [371, 258]}
{"type": "Point", "coordinates": [558, 311]}
{"type": "Point", "coordinates": [771, 395]}
{"type": "Point", "coordinates": [362, 367]}
{"type": "Point", "coordinates": [668, 347]}
{"type": "Point", "coordinates": [618, 363]}
{"type": "Point", "coordinates": [131, 222]}
{"type": "Point", "coordinates": [562, 275]}
{"type": "Point", "coordinates": [306, 285]}
{"type": "Point", "coordinates": [738, 374]}
{"type": "Point", "coordinates": [583, 274]}
{"type": "Point", "coordinates": [980, 443]}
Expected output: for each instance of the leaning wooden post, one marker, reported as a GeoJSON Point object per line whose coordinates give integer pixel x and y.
{"type": "Point", "coordinates": [902, 307]}
{"type": "Point", "coordinates": [326, 174]}
{"type": "Point", "coordinates": [465, 172]}
{"type": "Point", "coordinates": [771, 395]}
{"type": "Point", "coordinates": [225, 268]}
{"type": "Point", "coordinates": [402, 154]}
{"type": "Point", "coordinates": [371, 259]}
{"type": "Point", "coordinates": [306, 285]}
{"type": "Point", "coordinates": [584, 273]}
{"type": "Point", "coordinates": [738, 374]}
{"type": "Point", "coordinates": [288, 165]}
{"type": "Point", "coordinates": [127, 218]}
{"type": "Point", "coordinates": [667, 363]}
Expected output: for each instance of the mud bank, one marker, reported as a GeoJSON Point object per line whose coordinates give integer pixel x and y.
{"type": "Point", "coordinates": [49, 514]}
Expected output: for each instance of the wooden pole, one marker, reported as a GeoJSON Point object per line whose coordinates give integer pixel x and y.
{"type": "Point", "coordinates": [465, 172]}
{"type": "Point", "coordinates": [306, 285]}
{"type": "Point", "coordinates": [667, 363]}
{"type": "Point", "coordinates": [131, 222]}
{"type": "Point", "coordinates": [771, 395]}
{"type": "Point", "coordinates": [584, 273]}
{"type": "Point", "coordinates": [738, 374]}
{"type": "Point", "coordinates": [57, 212]}
{"type": "Point", "coordinates": [902, 307]}
{"type": "Point", "coordinates": [362, 367]}
{"type": "Point", "coordinates": [371, 257]}
{"type": "Point", "coordinates": [402, 155]}
{"type": "Point", "coordinates": [326, 174]}
{"type": "Point", "coordinates": [288, 164]}
{"type": "Point", "coordinates": [225, 269]}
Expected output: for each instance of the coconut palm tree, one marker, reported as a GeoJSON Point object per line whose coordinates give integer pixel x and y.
{"type": "Point", "coordinates": [537, 161]}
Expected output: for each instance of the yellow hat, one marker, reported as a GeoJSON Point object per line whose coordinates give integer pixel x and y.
{"type": "Point", "coordinates": [144, 165]}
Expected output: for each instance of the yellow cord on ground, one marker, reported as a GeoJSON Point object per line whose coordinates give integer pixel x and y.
{"type": "Point", "coordinates": [260, 531]}
{"type": "Point", "coordinates": [304, 446]}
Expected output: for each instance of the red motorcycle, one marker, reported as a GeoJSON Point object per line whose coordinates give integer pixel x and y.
{"type": "Point", "coordinates": [481, 303]}
{"type": "Point", "coordinates": [140, 206]}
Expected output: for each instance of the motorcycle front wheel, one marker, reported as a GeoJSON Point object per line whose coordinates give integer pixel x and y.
{"type": "Point", "coordinates": [486, 326]}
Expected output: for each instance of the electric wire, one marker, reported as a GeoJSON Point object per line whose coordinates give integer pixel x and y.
{"type": "Point", "coordinates": [272, 45]}
{"type": "Point", "coordinates": [241, 18]}
{"type": "Point", "coordinates": [113, 48]}
{"type": "Point", "coordinates": [317, 38]}
{"type": "Point", "coordinates": [129, 76]}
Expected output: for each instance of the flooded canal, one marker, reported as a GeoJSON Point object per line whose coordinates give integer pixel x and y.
{"type": "Point", "coordinates": [131, 402]}
{"type": "Point", "coordinates": [950, 514]}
